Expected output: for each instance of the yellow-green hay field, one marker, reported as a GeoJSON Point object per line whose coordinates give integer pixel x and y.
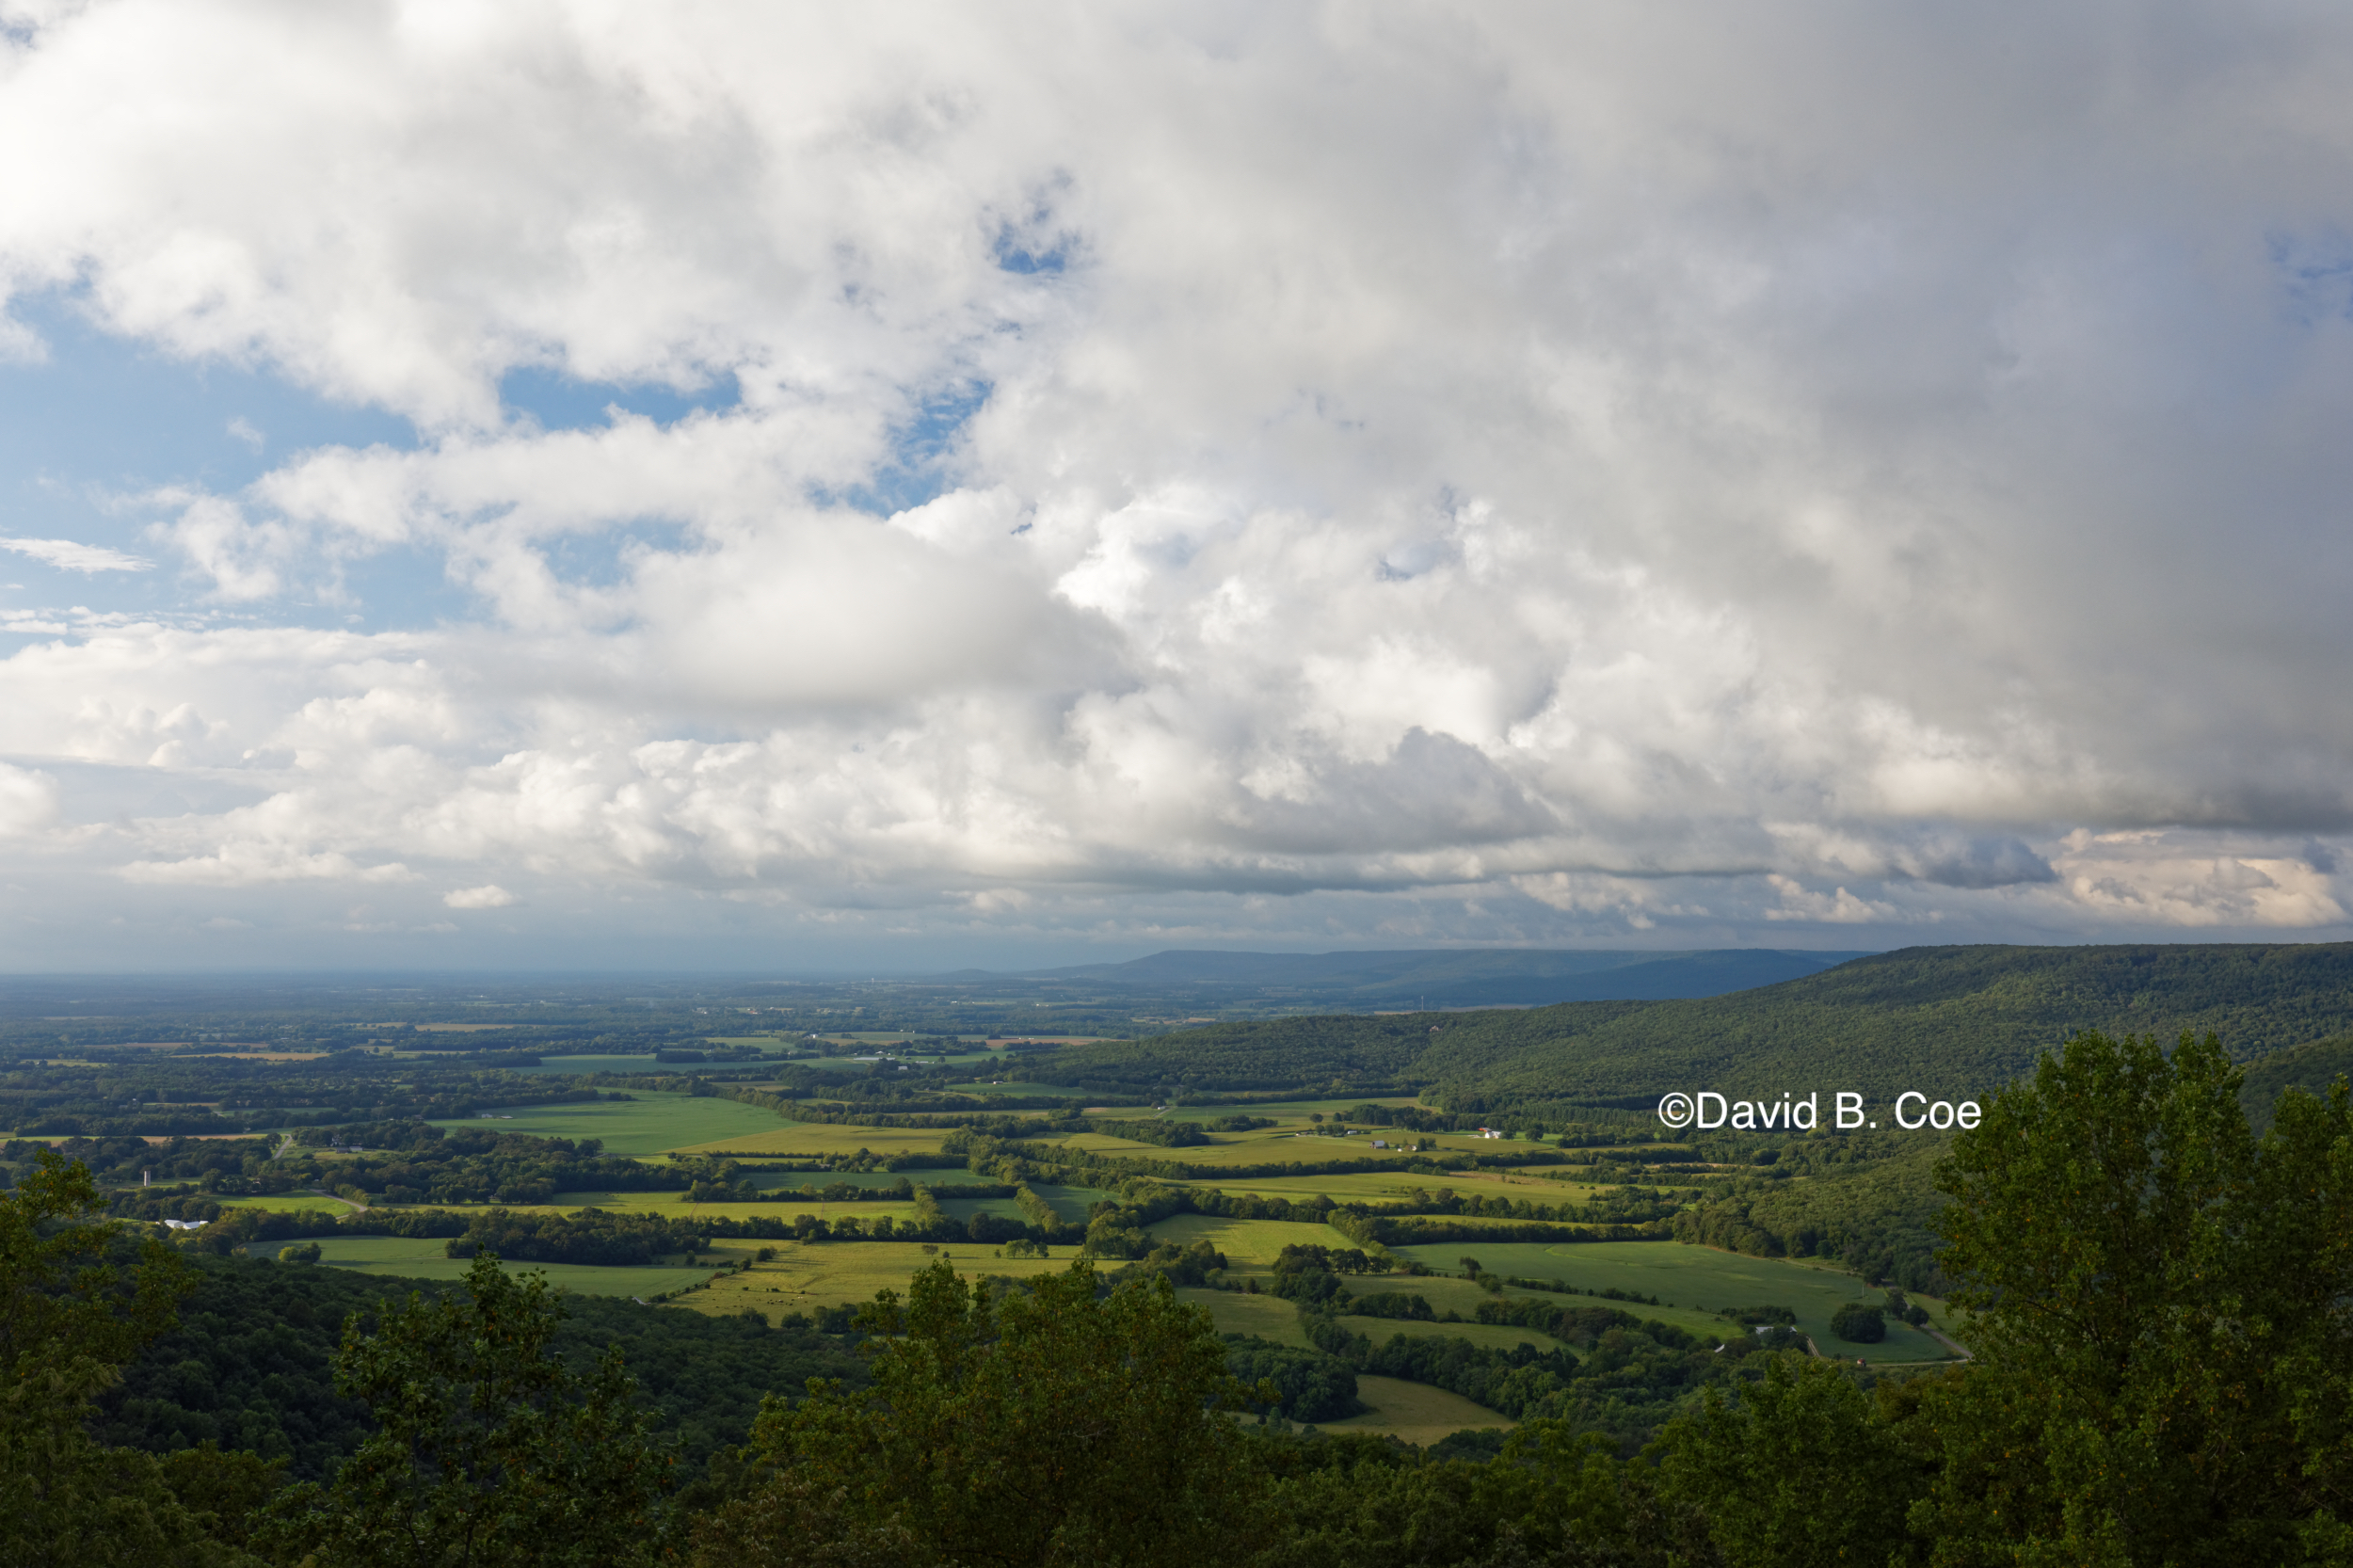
{"type": "Point", "coordinates": [1699, 1277]}
{"type": "Point", "coordinates": [806, 1276]}
{"type": "Point", "coordinates": [649, 1124]}
{"type": "Point", "coordinates": [408, 1258]}
{"type": "Point", "coordinates": [1416, 1412]}
{"type": "Point", "coordinates": [776, 1137]}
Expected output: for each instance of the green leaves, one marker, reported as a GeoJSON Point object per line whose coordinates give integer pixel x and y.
{"type": "Point", "coordinates": [1794, 1472]}
{"type": "Point", "coordinates": [1057, 1425]}
{"type": "Point", "coordinates": [2161, 1304]}
{"type": "Point", "coordinates": [69, 1318]}
{"type": "Point", "coordinates": [490, 1451]}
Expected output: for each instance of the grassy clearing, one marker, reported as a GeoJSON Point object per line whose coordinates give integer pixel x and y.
{"type": "Point", "coordinates": [806, 1276]}
{"type": "Point", "coordinates": [1250, 1245]}
{"type": "Point", "coordinates": [774, 1136]}
{"type": "Point", "coordinates": [1103, 1142]}
{"type": "Point", "coordinates": [1071, 1203]}
{"type": "Point", "coordinates": [426, 1259]}
{"type": "Point", "coordinates": [651, 1124]}
{"type": "Point", "coordinates": [1416, 1413]}
{"type": "Point", "coordinates": [1267, 1317]}
{"type": "Point", "coordinates": [290, 1202]}
{"type": "Point", "coordinates": [1694, 1277]}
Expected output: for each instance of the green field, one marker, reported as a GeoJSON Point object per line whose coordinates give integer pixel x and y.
{"type": "Point", "coordinates": [290, 1202]}
{"type": "Point", "coordinates": [1251, 1246]}
{"type": "Point", "coordinates": [1415, 1412]}
{"type": "Point", "coordinates": [805, 1276]}
{"type": "Point", "coordinates": [428, 1259]}
{"type": "Point", "coordinates": [1698, 1277]}
{"type": "Point", "coordinates": [771, 1136]}
{"type": "Point", "coordinates": [649, 1124]}
{"type": "Point", "coordinates": [1267, 1317]}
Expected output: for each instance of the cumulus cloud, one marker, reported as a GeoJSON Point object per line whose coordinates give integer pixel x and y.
{"type": "Point", "coordinates": [28, 801]}
{"type": "Point", "coordinates": [489, 896]}
{"type": "Point", "coordinates": [1527, 476]}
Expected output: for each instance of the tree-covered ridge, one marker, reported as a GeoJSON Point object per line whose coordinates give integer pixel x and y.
{"type": "Point", "coordinates": [250, 1366]}
{"type": "Point", "coordinates": [1878, 1217]}
{"type": "Point", "coordinates": [1957, 1020]}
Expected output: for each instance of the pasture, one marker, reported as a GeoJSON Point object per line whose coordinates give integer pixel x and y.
{"type": "Point", "coordinates": [1269, 1318]}
{"type": "Point", "coordinates": [1415, 1412]}
{"type": "Point", "coordinates": [649, 1124]}
{"type": "Point", "coordinates": [1251, 1246]}
{"type": "Point", "coordinates": [806, 1276]}
{"type": "Point", "coordinates": [406, 1258]}
{"type": "Point", "coordinates": [1697, 1281]}
{"type": "Point", "coordinates": [290, 1202]}
{"type": "Point", "coordinates": [773, 1137]}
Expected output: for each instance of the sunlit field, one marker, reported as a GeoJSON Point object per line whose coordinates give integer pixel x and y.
{"type": "Point", "coordinates": [1415, 1412]}
{"type": "Point", "coordinates": [771, 1136]}
{"type": "Point", "coordinates": [805, 1276]}
{"type": "Point", "coordinates": [649, 1124]}
{"type": "Point", "coordinates": [289, 1203]}
{"type": "Point", "coordinates": [406, 1259]}
{"type": "Point", "coordinates": [1700, 1277]}
{"type": "Point", "coordinates": [1249, 1245]}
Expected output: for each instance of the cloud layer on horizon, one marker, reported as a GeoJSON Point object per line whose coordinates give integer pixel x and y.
{"type": "Point", "coordinates": [1218, 474]}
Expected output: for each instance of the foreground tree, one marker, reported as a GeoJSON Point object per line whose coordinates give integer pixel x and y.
{"type": "Point", "coordinates": [69, 1318]}
{"type": "Point", "coordinates": [490, 1449]}
{"type": "Point", "coordinates": [1057, 1426]}
{"type": "Point", "coordinates": [1797, 1471]}
{"type": "Point", "coordinates": [2163, 1316]}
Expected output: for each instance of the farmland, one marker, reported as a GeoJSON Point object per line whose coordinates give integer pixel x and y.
{"type": "Point", "coordinates": [1291, 1160]}
{"type": "Point", "coordinates": [426, 1259]}
{"type": "Point", "coordinates": [1415, 1412]}
{"type": "Point", "coordinates": [1696, 1278]}
{"type": "Point", "coordinates": [1688, 1283]}
{"type": "Point", "coordinates": [649, 1124]}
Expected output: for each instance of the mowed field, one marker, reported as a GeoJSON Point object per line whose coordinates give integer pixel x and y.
{"type": "Point", "coordinates": [289, 1203]}
{"type": "Point", "coordinates": [1416, 1412]}
{"type": "Point", "coordinates": [1251, 1246]}
{"type": "Point", "coordinates": [771, 1136]}
{"type": "Point", "coordinates": [651, 1124]}
{"type": "Point", "coordinates": [1695, 1278]}
{"type": "Point", "coordinates": [805, 1276]}
{"type": "Point", "coordinates": [428, 1259]}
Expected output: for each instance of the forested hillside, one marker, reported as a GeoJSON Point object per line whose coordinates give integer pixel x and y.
{"type": "Point", "coordinates": [1947, 1021]}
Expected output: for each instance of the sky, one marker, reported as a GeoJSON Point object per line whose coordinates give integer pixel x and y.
{"type": "Point", "coordinates": [741, 486]}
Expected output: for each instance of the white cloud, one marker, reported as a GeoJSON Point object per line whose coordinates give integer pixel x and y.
{"type": "Point", "coordinates": [28, 801]}
{"type": "Point", "coordinates": [489, 896]}
{"type": "Point", "coordinates": [69, 556]}
{"type": "Point", "coordinates": [1694, 474]}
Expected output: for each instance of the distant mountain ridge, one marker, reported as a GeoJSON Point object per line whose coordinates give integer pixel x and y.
{"type": "Point", "coordinates": [1461, 977]}
{"type": "Point", "coordinates": [1947, 1021]}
